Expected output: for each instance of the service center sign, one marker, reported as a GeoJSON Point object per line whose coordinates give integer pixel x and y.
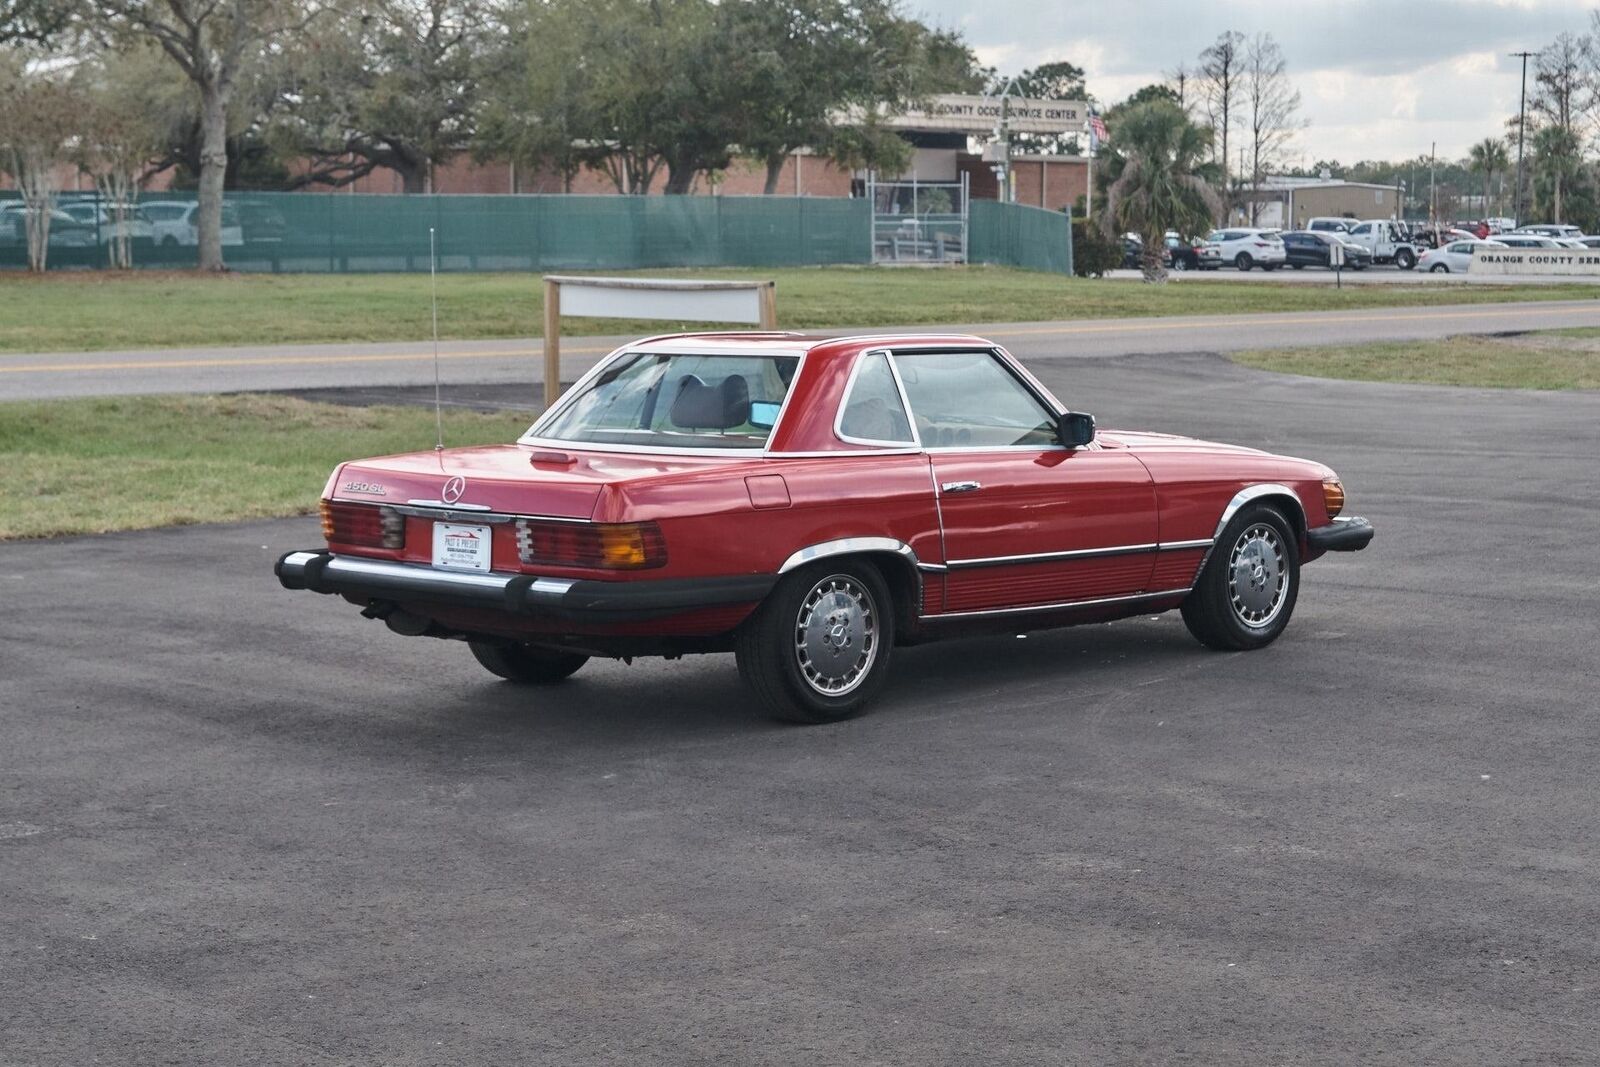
{"type": "Point", "coordinates": [1534, 261]}
{"type": "Point", "coordinates": [981, 114]}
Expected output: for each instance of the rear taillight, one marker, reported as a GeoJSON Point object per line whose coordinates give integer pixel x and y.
{"type": "Point", "coordinates": [612, 546]}
{"type": "Point", "coordinates": [362, 524]}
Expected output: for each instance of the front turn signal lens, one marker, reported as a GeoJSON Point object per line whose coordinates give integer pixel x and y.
{"type": "Point", "coordinates": [1333, 495]}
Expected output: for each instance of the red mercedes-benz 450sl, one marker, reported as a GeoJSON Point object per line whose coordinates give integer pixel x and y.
{"type": "Point", "coordinates": [809, 504]}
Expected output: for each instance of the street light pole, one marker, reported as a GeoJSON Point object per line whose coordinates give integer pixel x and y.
{"type": "Point", "coordinates": [1522, 121]}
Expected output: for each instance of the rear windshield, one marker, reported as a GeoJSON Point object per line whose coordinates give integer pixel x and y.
{"type": "Point", "coordinates": [677, 401]}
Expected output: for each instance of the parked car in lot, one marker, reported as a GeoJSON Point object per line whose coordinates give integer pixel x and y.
{"type": "Point", "coordinates": [102, 219]}
{"type": "Point", "coordinates": [1247, 247]}
{"type": "Point", "coordinates": [1549, 230]}
{"type": "Point", "coordinates": [65, 231]}
{"type": "Point", "coordinates": [1330, 224]}
{"type": "Point", "coordinates": [1455, 257]}
{"type": "Point", "coordinates": [1132, 251]}
{"type": "Point", "coordinates": [1386, 241]}
{"type": "Point", "coordinates": [175, 226]}
{"type": "Point", "coordinates": [1527, 240]}
{"type": "Point", "coordinates": [810, 504]}
{"type": "Point", "coordinates": [1184, 255]}
{"type": "Point", "coordinates": [1306, 248]}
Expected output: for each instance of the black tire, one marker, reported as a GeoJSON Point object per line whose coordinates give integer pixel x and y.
{"type": "Point", "coordinates": [1270, 266]}
{"type": "Point", "coordinates": [169, 242]}
{"type": "Point", "coordinates": [1179, 263]}
{"type": "Point", "coordinates": [1439, 268]}
{"type": "Point", "coordinates": [1243, 261]}
{"type": "Point", "coordinates": [1405, 259]}
{"type": "Point", "coordinates": [1213, 614]}
{"type": "Point", "coordinates": [525, 665]}
{"type": "Point", "coordinates": [777, 665]}
{"type": "Point", "coordinates": [1298, 266]}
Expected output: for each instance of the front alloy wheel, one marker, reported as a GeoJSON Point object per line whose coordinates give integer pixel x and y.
{"type": "Point", "coordinates": [818, 649]}
{"type": "Point", "coordinates": [1245, 595]}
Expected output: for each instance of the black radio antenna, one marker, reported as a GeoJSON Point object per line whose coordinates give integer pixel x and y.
{"type": "Point", "coordinates": [433, 285]}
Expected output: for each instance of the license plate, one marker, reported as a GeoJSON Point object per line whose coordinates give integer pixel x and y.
{"type": "Point", "coordinates": [462, 547]}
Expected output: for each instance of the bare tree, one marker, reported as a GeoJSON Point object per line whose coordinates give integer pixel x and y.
{"type": "Point", "coordinates": [122, 131]}
{"type": "Point", "coordinates": [1219, 74]}
{"type": "Point", "coordinates": [1564, 93]}
{"type": "Point", "coordinates": [1271, 107]}
{"type": "Point", "coordinates": [1181, 81]}
{"type": "Point", "coordinates": [213, 42]}
{"type": "Point", "coordinates": [38, 108]}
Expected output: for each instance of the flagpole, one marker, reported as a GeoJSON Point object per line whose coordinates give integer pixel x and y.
{"type": "Point", "coordinates": [1088, 188]}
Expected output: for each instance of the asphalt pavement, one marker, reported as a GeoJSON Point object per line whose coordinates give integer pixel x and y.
{"type": "Point", "coordinates": [518, 363]}
{"type": "Point", "coordinates": [241, 825]}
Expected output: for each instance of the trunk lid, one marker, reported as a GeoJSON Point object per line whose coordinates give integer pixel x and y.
{"type": "Point", "coordinates": [516, 479]}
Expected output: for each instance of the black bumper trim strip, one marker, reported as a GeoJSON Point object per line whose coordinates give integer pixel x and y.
{"type": "Point", "coordinates": [1350, 534]}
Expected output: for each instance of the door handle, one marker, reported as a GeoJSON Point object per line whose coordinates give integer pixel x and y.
{"type": "Point", "coordinates": [961, 487]}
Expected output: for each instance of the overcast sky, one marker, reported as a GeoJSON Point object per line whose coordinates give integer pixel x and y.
{"type": "Point", "coordinates": [1380, 79]}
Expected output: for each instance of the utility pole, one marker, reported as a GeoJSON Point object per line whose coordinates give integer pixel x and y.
{"type": "Point", "coordinates": [1433, 188]}
{"type": "Point", "coordinates": [1522, 122]}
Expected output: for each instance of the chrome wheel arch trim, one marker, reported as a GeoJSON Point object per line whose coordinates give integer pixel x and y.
{"type": "Point", "coordinates": [1256, 492]}
{"type": "Point", "coordinates": [854, 546]}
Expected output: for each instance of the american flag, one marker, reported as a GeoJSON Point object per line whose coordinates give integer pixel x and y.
{"type": "Point", "coordinates": [1097, 128]}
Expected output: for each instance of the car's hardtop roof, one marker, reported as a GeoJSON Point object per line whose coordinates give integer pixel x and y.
{"type": "Point", "coordinates": [751, 342]}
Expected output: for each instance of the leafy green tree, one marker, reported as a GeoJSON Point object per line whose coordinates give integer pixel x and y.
{"type": "Point", "coordinates": [1059, 80]}
{"type": "Point", "coordinates": [32, 20]}
{"type": "Point", "coordinates": [1158, 179]}
{"type": "Point", "coordinates": [386, 83]}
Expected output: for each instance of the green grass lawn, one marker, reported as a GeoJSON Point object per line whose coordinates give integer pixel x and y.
{"type": "Point", "coordinates": [90, 466]}
{"type": "Point", "coordinates": [81, 311]}
{"type": "Point", "coordinates": [1550, 359]}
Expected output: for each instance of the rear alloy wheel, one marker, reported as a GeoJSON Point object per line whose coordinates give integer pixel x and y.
{"type": "Point", "coordinates": [1243, 261]}
{"type": "Point", "coordinates": [1179, 263]}
{"type": "Point", "coordinates": [817, 650]}
{"type": "Point", "coordinates": [1439, 268]}
{"type": "Point", "coordinates": [527, 665]}
{"type": "Point", "coordinates": [1246, 593]}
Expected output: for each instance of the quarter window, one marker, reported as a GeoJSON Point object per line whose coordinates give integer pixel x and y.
{"type": "Point", "coordinates": [971, 400]}
{"type": "Point", "coordinates": [873, 412]}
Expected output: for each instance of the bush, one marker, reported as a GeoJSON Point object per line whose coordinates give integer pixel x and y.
{"type": "Point", "coordinates": [1093, 253]}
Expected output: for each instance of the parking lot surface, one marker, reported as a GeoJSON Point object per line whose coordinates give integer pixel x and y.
{"type": "Point", "coordinates": [240, 825]}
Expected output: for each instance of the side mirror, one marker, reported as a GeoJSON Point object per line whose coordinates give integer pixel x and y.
{"type": "Point", "coordinates": [1076, 429]}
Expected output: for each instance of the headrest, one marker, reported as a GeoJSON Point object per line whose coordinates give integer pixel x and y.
{"type": "Point", "coordinates": [699, 406]}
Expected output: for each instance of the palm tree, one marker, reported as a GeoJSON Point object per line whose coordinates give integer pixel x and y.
{"type": "Point", "coordinates": [1159, 179]}
{"type": "Point", "coordinates": [1557, 161]}
{"type": "Point", "coordinates": [1488, 157]}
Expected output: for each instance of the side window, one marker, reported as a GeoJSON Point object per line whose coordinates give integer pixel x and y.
{"type": "Point", "coordinates": [872, 411]}
{"type": "Point", "coordinates": [970, 400]}
{"type": "Point", "coordinates": [1362, 230]}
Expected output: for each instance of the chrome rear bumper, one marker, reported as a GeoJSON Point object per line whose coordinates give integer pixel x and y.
{"type": "Point", "coordinates": [575, 599]}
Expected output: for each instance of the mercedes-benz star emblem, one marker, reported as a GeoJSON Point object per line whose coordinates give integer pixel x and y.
{"type": "Point", "coordinates": [454, 488]}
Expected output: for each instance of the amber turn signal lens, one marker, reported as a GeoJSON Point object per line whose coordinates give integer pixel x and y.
{"type": "Point", "coordinates": [614, 546]}
{"type": "Point", "coordinates": [325, 508]}
{"type": "Point", "coordinates": [1333, 496]}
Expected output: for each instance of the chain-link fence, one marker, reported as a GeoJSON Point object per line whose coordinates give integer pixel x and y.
{"type": "Point", "coordinates": [1015, 235]}
{"type": "Point", "coordinates": [339, 232]}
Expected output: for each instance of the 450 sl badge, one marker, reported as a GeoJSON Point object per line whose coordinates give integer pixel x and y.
{"type": "Point", "coordinates": [365, 487]}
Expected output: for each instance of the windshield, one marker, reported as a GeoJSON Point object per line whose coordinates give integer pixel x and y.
{"type": "Point", "coordinates": [677, 401]}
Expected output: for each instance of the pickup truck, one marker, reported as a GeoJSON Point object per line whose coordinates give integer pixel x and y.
{"type": "Point", "coordinates": [1385, 241]}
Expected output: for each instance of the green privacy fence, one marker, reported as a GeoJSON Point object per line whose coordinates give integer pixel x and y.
{"type": "Point", "coordinates": [1015, 235]}
{"type": "Point", "coordinates": [340, 232]}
